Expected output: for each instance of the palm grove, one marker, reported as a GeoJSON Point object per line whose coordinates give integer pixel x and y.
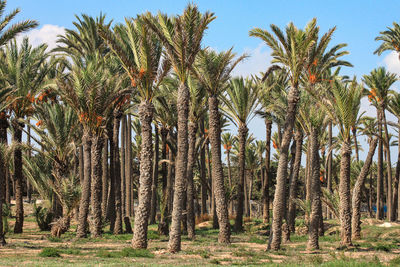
{"type": "Point", "coordinates": [129, 121]}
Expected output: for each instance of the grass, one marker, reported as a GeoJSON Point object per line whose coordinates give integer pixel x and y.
{"type": "Point", "coordinates": [125, 252]}
{"type": "Point", "coordinates": [50, 252]}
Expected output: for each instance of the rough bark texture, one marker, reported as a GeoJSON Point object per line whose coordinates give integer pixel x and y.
{"type": "Point", "coordinates": [241, 181]}
{"type": "Point", "coordinates": [315, 194]}
{"type": "Point", "coordinates": [329, 168]}
{"type": "Point", "coordinates": [117, 175]}
{"type": "Point", "coordinates": [154, 184]}
{"type": "Point", "coordinates": [228, 159]}
{"type": "Point", "coordinates": [146, 165]}
{"type": "Point", "coordinates": [294, 181]}
{"type": "Point", "coordinates": [203, 173]}
{"type": "Point", "coordinates": [122, 165]}
{"type": "Point", "coordinates": [19, 207]}
{"type": "Point", "coordinates": [280, 190]}
{"type": "Point", "coordinates": [379, 182]}
{"type": "Point", "coordinates": [217, 171]}
{"type": "Point", "coordinates": [265, 192]}
{"type": "Point", "coordinates": [174, 244]}
{"type": "Point", "coordinates": [96, 224]}
{"type": "Point", "coordinates": [344, 195]}
{"type": "Point", "coordinates": [390, 211]}
{"type": "Point", "coordinates": [128, 168]}
{"type": "Point", "coordinates": [163, 224]}
{"type": "Point", "coordinates": [81, 231]}
{"type": "Point", "coordinates": [104, 178]}
{"type": "Point", "coordinates": [396, 198]}
{"type": "Point", "coordinates": [356, 200]}
{"type": "Point", "coordinates": [3, 173]}
{"type": "Point", "coordinates": [111, 197]}
{"type": "Point", "coordinates": [190, 185]}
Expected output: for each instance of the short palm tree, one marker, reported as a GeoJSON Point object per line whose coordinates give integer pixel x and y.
{"type": "Point", "coordinates": [213, 70]}
{"type": "Point", "coordinates": [181, 37]}
{"type": "Point", "coordinates": [240, 102]}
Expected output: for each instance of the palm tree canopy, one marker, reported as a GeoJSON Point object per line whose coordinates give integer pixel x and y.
{"type": "Point", "coordinates": [292, 48]}
{"type": "Point", "coordinates": [390, 39]}
{"type": "Point", "coordinates": [240, 100]}
{"type": "Point", "coordinates": [181, 36]}
{"type": "Point", "coordinates": [140, 54]}
{"type": "Point", "coordinates": [379, 81]}
{"type": "Point", "coordinates": [213, 69]}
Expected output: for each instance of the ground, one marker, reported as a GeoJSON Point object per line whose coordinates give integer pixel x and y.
{"type": "Point", "coordinates": [379, 247]}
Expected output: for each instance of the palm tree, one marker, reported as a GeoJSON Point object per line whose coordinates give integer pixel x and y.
{"type": "Point", "coordinates": [25, 70]}
{"type": "Point", "coordinates": [227, 142]}
{"type": "Point", "coordinates": [292, 52]}
{"type": "Point", "coordinates": [369, 130]}
{"type": "Point", "coordinates": [57, 129]}
{"type": "Point", "coordinates": [240, 102]}
{"type": "Point", "coordinates": [139, 52]}
{"type": "Point", "coordinates": [181, 37]}
{"type": "Point", "coordinates": [7, 33]}
{"type": "Point", "coordinates": [390, 39]}
{"type": "Point", "coordinates": [379, 81]}
{"type": "Point", "coordinates": [213, 70]}
{"type": "Point", "coordinates": [343, 106]}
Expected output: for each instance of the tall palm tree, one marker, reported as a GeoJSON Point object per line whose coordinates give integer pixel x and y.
{"type": "Point", "coordinates": [379, 81]}
{"type": "Point", "coordinates": [7, 33]}
{"type": "Point", "coordinates": [369, 130]}
{"type": "Point", "coordinates": [291, 50]}
{"type": "Point", "coordinates": [240, 102]}
{"type": "Point", "coordinates": [25, 71]}
{"type": "Point", "coordinates": [139, 51]}
{"type": "Point", "coordinates": [91, 91]}
{"type": "Point", "coordinates": [181, 37]}
{"type": "Point", "coordinates": [213, 70]}
{"type": "Point", "coordinates": [343, 105]}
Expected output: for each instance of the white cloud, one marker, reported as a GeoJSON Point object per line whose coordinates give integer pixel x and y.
{"type": "Point", "coordinates": [46, 34]}
{"type": "Point", "coordinates": [259, 59]}
{"type": "Point", "coordinates": [392, 62]}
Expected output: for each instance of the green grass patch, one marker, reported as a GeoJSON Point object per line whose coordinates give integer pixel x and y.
{"type": "Point", "coordinates": [54, 239]}
{"type": "Point", "coordinates": [257, 240]}
{"type": "Point", "coordinates": [126, 252]}
{"type": "Point", "coordinates": [49, 252]}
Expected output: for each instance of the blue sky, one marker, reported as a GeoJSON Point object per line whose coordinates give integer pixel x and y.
{"type": "Point", "coordinates": [358, 23]}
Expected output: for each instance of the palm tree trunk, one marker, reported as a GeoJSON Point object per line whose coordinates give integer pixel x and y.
{"type": "Point", "coordinates": [294, 181]}
{"type": "Point", "coordinates": [281, 177]}
{"type": "Point", "coordinates": [379, 182]}
{"type": "Point", "coordinates": [241, 181]}
{"type": "Point", "coordinates": [329, 169]}
{"type": "Point", "coordinates": [286, 228]}
{"type": "Point", "coordinates": [128, 167]}
{"type": "Point", "coordinates": [315, 193]}
{"type": "Point", "coordinates": [163, 224]}
{"type": "Point", "coordinates": [356, 200]}
{"type": "Point", "coordinates": [203, 172]}
{"type": "Point", "coordinates": [81, 231]}
{"type": "Point", "coordinates": [174, 244]}
{"type": "Point", "coordinates": [117, 175]}
{"type": "Point", "coordinates": [146, 165]}
{"type": "Point", "coordinates": [228, 158]}
{"type": "Point", "coordinates": [19, 207]}
{"type": "Point", "coordinates": [265, 193]}
{"type": "Point", "coordinates": [246, 196]}
{"type": "Point", "coordinates": [3, 180]}
{"type": "Point", "coordinates": [217, 171]}
{"type": "Point", "coordinates": [344, 194]}
{"type": "Point", "coordinates": [104, 179]}
{"type": "Point", "coordinates": [396, 199]}
{"type": "Point", "coordinates": [390, 210]}
{"type": "Point", "coordinates": [190, 186]}
{"type": "Point", "coordinates": [28, 184]}
{"type": "Point", "coordinates": [97, 146]}
{"type": "Point", "coordinates": [111, 198]}
{"type": "Point", "coordinates": [354, 131]}
{"type": "Point", "coordinates": [122, 165]}
{"type": "Point", "coordinates": [211, 185]}
{"type": "Point", "coordinates": [154, 184]}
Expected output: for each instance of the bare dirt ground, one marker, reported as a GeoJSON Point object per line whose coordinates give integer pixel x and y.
{"type": "Point", "coordinates": [379, 247]}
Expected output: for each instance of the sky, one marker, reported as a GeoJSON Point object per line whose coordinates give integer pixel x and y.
{"type": "Point", "coordinates": [358, 22]}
